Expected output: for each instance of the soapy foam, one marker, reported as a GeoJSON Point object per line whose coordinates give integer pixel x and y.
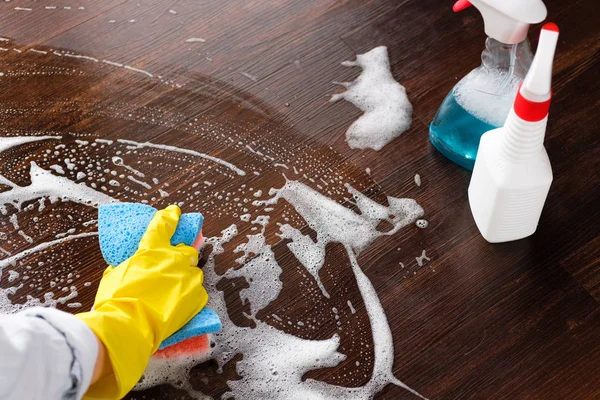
{"type": "Point", "coordinates": [262, 271]}
{"type": "Point", "coordinates": [418, 180]}
{"type": "Point", "coordinates": [274, 362]}
{"type": "Point", "coordinates": [119, 161]}
{"type": "Point", "coordinates": [141, 183]}
{"type": "Point", "coordinates": [12, 276]}
{"type": "Point", "coordinates": [45, 184]}
{"type": "Point", "coordinates": [141, 71]}
{"type": "Point", "coordinates": [8, 142]}
{"type": "Point", "coordinates": [14, 220]}
{"type": "Point", "coordinates": [257, 343]}
{"type": "Point", "coordinates": [487, 94]}
{"type": "Point", "coordinates": [351, 307]}
{"type": "Point", "coordinates": [266, 341]}
{"type": "Point", "coordinates": [422, 258]}
{"type": "Point", "coordinates": [309, 253]}
{"type": "Point", "coordinates": [82, 57]}
{"type": "Point", "coordinates": [387, 110]}
{"type": "Point", "coordinates": [422, 223]}
{"type": "Point", "coordinates": [344, 225]}
{"type": "Point", "coordinates": [7, 306]}
{"type": "Point", "coordinates": [42, 246]}
{"type": "Point", "coordinates": [57, 168]}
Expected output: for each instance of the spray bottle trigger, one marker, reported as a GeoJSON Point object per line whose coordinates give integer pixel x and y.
{"type": "Point", "coordinates": [461, 5]}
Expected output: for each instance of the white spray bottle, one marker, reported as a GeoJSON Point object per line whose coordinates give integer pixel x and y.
{"type": "Point", "coordinates": [512, 173]}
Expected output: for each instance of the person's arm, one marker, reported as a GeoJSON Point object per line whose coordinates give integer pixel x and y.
{"type": "Point", "coordinates": [45, 354]}
{"type": "Point", "coordinates": [101, 366]}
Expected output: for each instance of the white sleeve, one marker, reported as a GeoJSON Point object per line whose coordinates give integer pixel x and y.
{"type": "Point", "coordinates": [45, 354]}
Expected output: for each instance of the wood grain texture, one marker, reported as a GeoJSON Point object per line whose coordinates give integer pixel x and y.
{"type": "Point", "coordinates": [477, 321]}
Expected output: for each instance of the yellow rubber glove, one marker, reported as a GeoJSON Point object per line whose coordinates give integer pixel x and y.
{"type": "Point", "coordinates": [142, 302]}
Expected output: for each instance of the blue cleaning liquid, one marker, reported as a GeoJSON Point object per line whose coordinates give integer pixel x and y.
{"type": "Point", "coordinates": [456, 133]}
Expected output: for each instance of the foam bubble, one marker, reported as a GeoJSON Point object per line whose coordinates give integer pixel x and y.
{"type": "Point", "coordinates": [422, 223]}
{"type": "Point", "coordinates": [417, 179]}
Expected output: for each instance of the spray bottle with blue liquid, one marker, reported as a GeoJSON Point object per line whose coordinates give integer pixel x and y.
{"type": "Point", "coordinates": [482, 100]}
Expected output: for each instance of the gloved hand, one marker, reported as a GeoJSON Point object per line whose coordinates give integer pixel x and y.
{"type": "Point", "coordinates": [142, 302]}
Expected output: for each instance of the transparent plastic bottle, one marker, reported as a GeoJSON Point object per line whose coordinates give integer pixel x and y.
{"type": "Point", "coordinates": [481, 101]}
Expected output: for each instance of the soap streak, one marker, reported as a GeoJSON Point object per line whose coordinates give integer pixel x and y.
{"type": "Point", "coordinates": [138, 145]}
{"type": "Point", "coordinates": [12, 141]}
{"type": "Point", "coordinates": [45, 184]}
{"type": "Point", "coordinates": [42, 246]}
{"type": "Point", "coordinates": [149, 74]}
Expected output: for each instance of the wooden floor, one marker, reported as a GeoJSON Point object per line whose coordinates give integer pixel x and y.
{"type": "Point", "coordinates": [508, 321]}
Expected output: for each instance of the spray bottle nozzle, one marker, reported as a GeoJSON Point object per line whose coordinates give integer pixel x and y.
{"type": "Point", "coordinates": [534, 95]}
{"type": "Point", "coordinates": [461, 5]}
{"type": "Point", "coordinates": [507, 21]}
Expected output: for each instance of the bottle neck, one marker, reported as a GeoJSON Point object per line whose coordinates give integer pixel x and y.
{"type": "Point", "coordinates": [523, 140]}
{"type": "Point", "coordinates": [510, 58]}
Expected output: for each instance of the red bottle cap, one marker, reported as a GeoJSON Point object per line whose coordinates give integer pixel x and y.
{"type": "Point", "coordinates": [461, 5]}
{"type": "Point", "coordinates": [531, 111]}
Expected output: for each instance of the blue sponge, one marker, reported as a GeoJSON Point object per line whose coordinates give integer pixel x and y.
{"type": "Point", "coordinates": [206, 321]}
{"type": "Point", "coordinates": [120, 229]}
{"type": "Point", "coordinates": [122, 225]}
